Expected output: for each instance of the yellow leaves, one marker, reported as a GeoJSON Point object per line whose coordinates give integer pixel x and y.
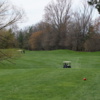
{"type": "Point", "coordinates": [7, 39]}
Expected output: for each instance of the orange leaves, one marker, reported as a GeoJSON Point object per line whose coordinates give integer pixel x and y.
{"type": "Point", "coordinates": [35, 40]}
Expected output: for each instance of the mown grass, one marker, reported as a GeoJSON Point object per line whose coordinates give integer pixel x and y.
{"type": "Point", "coordinates": [39, 75]}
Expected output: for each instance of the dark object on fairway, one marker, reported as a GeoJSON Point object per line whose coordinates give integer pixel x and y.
{"type": "Point", "coordinates": [23, 51]}
{"type": "Point", "coordinates": [67, 64]}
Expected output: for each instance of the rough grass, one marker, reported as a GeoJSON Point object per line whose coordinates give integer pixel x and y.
{"type": "Point", "coordinates": [9, 53]}
{"type": "Point", "coordinates": [38, 75]}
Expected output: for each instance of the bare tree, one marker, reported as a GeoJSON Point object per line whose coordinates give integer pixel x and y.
{"type": "Point", "coordinates": [57, 14]}
{"type": "Point", "coordinates": [81, 23]}
{"type": "Point", "coordinates": [9, 14]}
{"type": "Point", "coordinates": [93, 41]}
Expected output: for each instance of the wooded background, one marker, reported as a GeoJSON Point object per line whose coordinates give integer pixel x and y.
{"type": "Point", "coordinates": [61, 28]}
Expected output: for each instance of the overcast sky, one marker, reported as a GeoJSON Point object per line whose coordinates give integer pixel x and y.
{"type": "Point", "coordinates": [34, 9]}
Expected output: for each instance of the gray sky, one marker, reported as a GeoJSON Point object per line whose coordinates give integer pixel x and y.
{"type": "Point", "coordinates": [34, 9]}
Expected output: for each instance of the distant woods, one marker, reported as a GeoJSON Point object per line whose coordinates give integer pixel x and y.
{"type": "Point", "coordinates": [61, 28]}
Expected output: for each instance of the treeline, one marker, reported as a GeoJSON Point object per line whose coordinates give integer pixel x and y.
{"type": "Point", "coordinates": [61, 28]}
{"type": "Point", "coordinates": [44, 37]}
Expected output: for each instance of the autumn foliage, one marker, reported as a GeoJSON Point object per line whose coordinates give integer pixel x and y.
{"type": "Point", "coordinates": [35, 40]}
{"type": "Point", "coordinates": [61, 28]}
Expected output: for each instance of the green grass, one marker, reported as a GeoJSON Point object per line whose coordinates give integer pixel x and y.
{"type": "Point", "coordinates": [39, 75]}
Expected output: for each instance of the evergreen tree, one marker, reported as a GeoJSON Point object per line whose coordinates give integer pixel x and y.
{"type": "Point", "coordinates": [95, 3]}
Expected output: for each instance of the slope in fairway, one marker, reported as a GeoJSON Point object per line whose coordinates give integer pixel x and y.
{"type": "Point", "coordinates": [39, 75]}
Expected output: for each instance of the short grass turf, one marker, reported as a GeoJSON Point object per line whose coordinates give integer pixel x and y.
{"type": "Point", "coordinates": [39, 75]}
